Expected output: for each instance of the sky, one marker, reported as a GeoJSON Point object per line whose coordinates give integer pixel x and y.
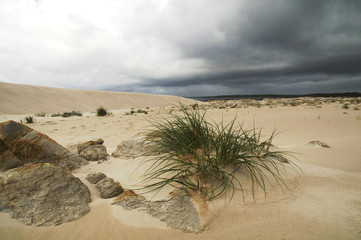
{"type": "Point", "coordinates": [183, 47]}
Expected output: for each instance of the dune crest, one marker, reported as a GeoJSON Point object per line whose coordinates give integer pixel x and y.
{"type": "Point", "coordinates": [26, 99]}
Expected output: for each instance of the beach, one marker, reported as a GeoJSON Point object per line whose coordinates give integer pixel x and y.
{"type": "Point", "coordinates": [323, 195]}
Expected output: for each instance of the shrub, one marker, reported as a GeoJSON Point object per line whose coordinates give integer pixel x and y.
{"type": "Point", "coordinates": [142, 111]}
{"type": "Point", "coordinates": [72, 113]}
{"type": "Point", "coordinates": [42, 114]}
{"type": "Point", "coordinates": [101, 111]}
{"type": "Point", "coordinates": [345, 106]}
{"type": "Point", "coordinates": [207, 158]}
{"type": "Point", "coordinates": [29, 119]}
{"type": "Point", "coordinates": [56, 115]}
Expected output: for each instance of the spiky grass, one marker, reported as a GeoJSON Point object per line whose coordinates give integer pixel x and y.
{"type": "Point", "coordinates": [208, 158]}
{"type": "Point", "coordinates": [29, 119]}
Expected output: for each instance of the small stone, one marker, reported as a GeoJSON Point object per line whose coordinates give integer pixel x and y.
{"type": "Point", "coordinates": [318, 143]}
{"type": "Point", "coordinates": [93, 150]}
{"type": "Point", "coordinates": [108, 188]}
{"type": "Point", "coordinates": [95, 177]}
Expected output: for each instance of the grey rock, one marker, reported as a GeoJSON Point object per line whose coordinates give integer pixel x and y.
{"type": "Point", "coordinates": [318, 143]}
{"type": "Point", "coordinates": [20, 144]}
{"type": "Point", "coordinates": [178, 212]}
{"type": "Point", "coordinates": [43, 195]}
{"type": "Point", "coordinates": [95, 177]}
{"type": "Point", "coordinates": [134, 147]}
{"type": "Point", "coordinates": [93, 150]}
{"type": "Point", "coordinates": [108, 188]}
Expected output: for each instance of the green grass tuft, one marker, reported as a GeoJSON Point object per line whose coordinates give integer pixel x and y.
{"type": "Point", "coordinates": [29, 119]}
{"type": "Point", "coordinates": [208, 158]}
{"type": "Point", "coordinates": [101, 111]}
{"type": "Point", "coordinates": [42, 114]}
{"type": "Point", "coordinates": [72, 113]}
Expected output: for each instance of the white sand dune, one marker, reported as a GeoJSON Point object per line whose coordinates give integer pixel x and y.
{"type": "Point", "coordinates": [25, 99]}
{"type": "Point", "coordinates": [323, 201]}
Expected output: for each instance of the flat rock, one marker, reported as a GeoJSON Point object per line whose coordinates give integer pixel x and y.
{"type": "Point", "coordinates": [134, 147]}
{"type": "Point", "coordinates": [43, 195]}
{"type": "Point", "coordinates": [95, 177]}
{"type": "Point", "coordinates": [178, 212]}
{"type": "Point", "coordinates": [20, 144]}
{"type": "Point", "coordinates": [318, 143]}
{"type": "Point", "coordinates": [93, 150]}
{"type": "Point", "coordinates": [108, 188]}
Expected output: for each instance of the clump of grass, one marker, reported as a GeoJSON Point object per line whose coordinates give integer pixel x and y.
{"type": "Point", "coordinates": [55, 115]}
{"type": "Point", "coordinates": [29, 119]}
{"type": "Point", "coordinates": [356, 108]}
{"type": "Point", "coordinates": [208, 158]}
{"type": "Point", "coordinates": [42, 114]}
{"type": "Point", "coordinates": [142, 111]}
{"type": "Point", "coordinates": [72, 113]}
{"type": "Point", "coordinates": [346, 106]}
{"type": "Point", "coordinates": [132, 111]}
{"type": "Point", "coordinates": [101, 111]}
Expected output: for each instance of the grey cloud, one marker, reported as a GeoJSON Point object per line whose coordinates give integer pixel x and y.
{"type": "Point", "coordinates": [211, 47]}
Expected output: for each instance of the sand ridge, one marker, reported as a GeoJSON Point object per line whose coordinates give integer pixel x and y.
{"type": "Point", "coordinates": [26, 99]}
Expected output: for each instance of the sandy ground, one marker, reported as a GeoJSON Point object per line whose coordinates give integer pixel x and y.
{"type": "Point", "coordinates": [324, 201]}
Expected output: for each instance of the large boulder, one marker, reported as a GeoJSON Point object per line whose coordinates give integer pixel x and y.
{"type": "Point", "coordinates": [134, 147]}
{"type": "Point", "coordinates": [20, 144]}
{"type": "Point", "coordinates": [93, 150]}
{"type": "Point", "coordinates": [177, 212]}
{"type": "Point", "coordinates": [43, 195]}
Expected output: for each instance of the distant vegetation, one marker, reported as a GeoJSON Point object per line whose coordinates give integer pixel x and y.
{"type": "Point", "coordinates": [29, 119]}
{"type": "Point", "coordinates": [42, 114]}
{"type": "Point", "coordinates": [132, 111]}
{"type": "Point", "coordinates": [345, 106]}
{"type": "Point", "coordinates": [101, 111]}
{"type": "Point", "coordinates": [67, 114]}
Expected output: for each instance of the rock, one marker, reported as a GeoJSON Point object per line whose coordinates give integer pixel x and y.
{"type": "Point", "coordinates": [130, 200]}
{"type": "Point", "coordinates": [7, 159]}
{"type": "Point", "coordinates": [20, 144]}
{"type": "Point", "coordinates": [43, 195]}
{"type": "Point", "coordinates": [178, 212]}
{"type": "Point", "coordinates": [93, 150]}
{"type": "Point", "coordinates": [108, 188]}
{"type": "Point", "coordinates": [95, 177]}
{"type": "Point", "coordinates": [134, 147]}
{"type": "Point", "coordinates": [318, 143]}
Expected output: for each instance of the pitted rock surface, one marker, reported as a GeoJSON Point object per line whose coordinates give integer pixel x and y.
{"type": "Point", "coordinates": [108, 188]}
{"type": "Point", "coordinates": [178, 212]}
{"type": "Point", "coordinates": [95, 177]}
{"type": "Point", "coordinates": [134, 147]}
{"type": "Point", "coordinates": [43, 195]}
{"type": "Point", "coordinates": [93, 150]}
{"type": "Point", "coordinates": [20, 144]}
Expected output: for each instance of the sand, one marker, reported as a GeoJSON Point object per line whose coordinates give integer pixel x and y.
{"type": "Point", "coordinates": [323, 201]}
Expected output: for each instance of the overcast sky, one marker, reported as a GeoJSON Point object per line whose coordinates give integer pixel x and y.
{"type": "Point", "coordinates": [183, 47]}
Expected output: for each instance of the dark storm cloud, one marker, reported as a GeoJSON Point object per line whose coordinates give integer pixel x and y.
{"type": "Point", "coordinates": [306, 38]}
